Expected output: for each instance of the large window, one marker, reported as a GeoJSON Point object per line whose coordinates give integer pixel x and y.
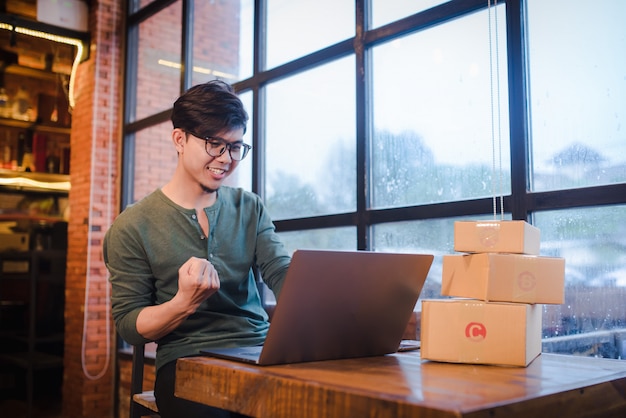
{"type": "Point", "coordinates": [377, 124]}
{"type": "Point", "coordinates": [311, 142]}
{"type": "Point", "coordinates": [432, 137]}
{"type": "Point", "coordinates": [157, 61]}
{"type": "Point", "coordinates": [298, 28]}
{"type": "Point", "coordinates": [577, 93]}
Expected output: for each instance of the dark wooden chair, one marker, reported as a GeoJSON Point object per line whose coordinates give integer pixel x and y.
{"type": "Point", "coordinates": [142, 403]}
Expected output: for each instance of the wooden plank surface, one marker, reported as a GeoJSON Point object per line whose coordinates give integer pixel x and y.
{"type": "Point", "coordinates": [402, 385]}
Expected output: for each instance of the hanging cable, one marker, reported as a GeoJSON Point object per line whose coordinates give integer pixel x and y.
{"type": "Point", "coordinates": [496, 138]}
{"type": "Point", "coordinates": [95, 118]}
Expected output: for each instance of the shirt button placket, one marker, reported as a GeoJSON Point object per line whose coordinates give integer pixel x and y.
{"type": "Point", "coordinates": [195, 218]}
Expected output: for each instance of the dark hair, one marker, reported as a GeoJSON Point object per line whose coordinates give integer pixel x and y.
{"type": "Point", "coordinates": [208, 109]}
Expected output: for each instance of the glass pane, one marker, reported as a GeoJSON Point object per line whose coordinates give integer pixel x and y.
{"type": "Point", "coordinates": [311, 147]}
{"type": "Point", "coordinates": [578, 92]}
{"type": "Point", "coordinates": [386, 11]}
{"type": "Point", "coordinates": [222, 41]}
{"type": "Point", "coordinates": [158, 62]}
{"type": "Point", "coordinates": [297, 28]}
{"type": "Point", "coordinates": [242, 176]}
{"type": "Point", "coordinates": [135, 5]}
{"type": "Point", "coordinates": [327, 239]}
{"type": "Point", "coordinates": [434, 137]}
{"type": "Point", "coordinates": [592, 242]}
{"type": "Point", "coordinates": [432, 236]}
{"type": "Point", "coordinates": [155, 159]}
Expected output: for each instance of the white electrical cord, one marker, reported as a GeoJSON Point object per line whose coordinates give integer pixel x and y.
{"type": "Point", "coordinates": [107, 218]}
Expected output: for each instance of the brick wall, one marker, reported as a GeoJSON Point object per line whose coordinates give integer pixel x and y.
{"type": "Point", "coordinates": [88, 385]}
{"type": "Point", "coordinates": [215, 50]}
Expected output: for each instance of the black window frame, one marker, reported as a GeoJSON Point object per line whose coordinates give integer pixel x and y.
{"type": "Point", "coordinates": [521, 203]}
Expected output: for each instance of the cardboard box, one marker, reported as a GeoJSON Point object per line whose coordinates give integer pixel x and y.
{"type": "Point", "coordinates": [17, 241]}
{"type": "Point", "coordinates": [504, 277]}
{"type": "Point", "coordinates": [15, 266]}
{"type": "Point", "coordinates": [69, 14]}
{"type": "Point", "coordinates": [473, 331]}
{"type": "Point", "coordinates": [518, 237]}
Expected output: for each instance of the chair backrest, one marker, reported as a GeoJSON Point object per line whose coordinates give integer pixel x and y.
{"type": "Point", "coordinates": [142, 402]}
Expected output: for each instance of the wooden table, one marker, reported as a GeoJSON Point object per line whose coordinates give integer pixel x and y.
{"type": "Point", "coordinates": [402, 385]}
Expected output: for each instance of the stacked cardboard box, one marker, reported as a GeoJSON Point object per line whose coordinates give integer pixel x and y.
{"type": "Point", "coordinates": [498, 287]}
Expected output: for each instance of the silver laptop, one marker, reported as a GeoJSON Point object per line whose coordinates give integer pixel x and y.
{"type": "Point", "coordinates": [339, 304]}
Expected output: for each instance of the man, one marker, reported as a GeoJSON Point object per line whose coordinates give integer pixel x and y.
{"type": "Point", "coordinates": [180, 260]}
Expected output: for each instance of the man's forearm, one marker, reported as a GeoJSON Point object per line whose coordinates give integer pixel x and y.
{"type": "Point", "coordinates": [154, 322]}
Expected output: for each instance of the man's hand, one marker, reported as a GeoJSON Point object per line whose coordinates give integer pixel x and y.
{"type": "Point", "coordinates": [197, 280]}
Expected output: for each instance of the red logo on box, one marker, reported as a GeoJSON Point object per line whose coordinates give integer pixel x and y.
{"type": "Point", "coordinates": [489, 236]}
{"type": "Point", "coordinates": [476, 331]}
{"type": "Point", "coordinates": [526, 281]}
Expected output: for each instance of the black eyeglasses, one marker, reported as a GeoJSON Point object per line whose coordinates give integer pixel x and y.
{"type": "Point", "coordinates": [215, 146]}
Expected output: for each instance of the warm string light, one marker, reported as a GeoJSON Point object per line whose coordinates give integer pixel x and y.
{"type": "Point", "coordinates": [26, 183]}
{"type": "Point", "coordinates": [55, 38]}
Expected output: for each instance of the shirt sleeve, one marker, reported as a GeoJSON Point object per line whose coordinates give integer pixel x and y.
{"type": "Point", "coordinates": [272, 256]}
{"type": "Point", "coordinates": [131, 281]}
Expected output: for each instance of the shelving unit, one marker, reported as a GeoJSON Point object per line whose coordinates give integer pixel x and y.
{"type": "Point", "coordinates": [33, 197]}
{"type": "Point", "coordinates": [16, 123]}
{"type": "Point", "coordinates": [35, 75]}
{"type": "Point", "coordinates": [32, 338]}
{"type": "Point", "coordinates": [39, 59]}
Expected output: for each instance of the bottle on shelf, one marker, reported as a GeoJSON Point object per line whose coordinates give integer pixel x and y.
{"type": "Point", "coordinates": [5, 109]}
{"type": "Point", "coordinates": [21, 145]}
{"type": "Point", "coordinates": [40, 151]}
{"type": "Point", "coordinates": [53, 161]}
{"type": "Point", "coordinates": [22, 105]}
{"type": "Point", "coordinates": [5, 152]}
{"type": "Point", "coordinates": [25, 160]}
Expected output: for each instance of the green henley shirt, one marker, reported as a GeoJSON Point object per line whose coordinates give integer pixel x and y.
{"type": "Point", "coordinates": [151, 239]}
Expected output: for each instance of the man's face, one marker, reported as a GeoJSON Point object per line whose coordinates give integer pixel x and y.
{"type": "Point", "coordinates": [209, 161]}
